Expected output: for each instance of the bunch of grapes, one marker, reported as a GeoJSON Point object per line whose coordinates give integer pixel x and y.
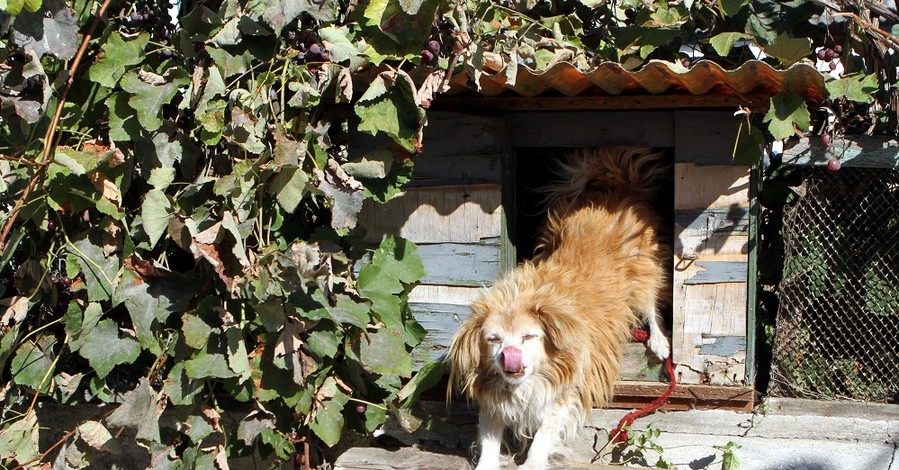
{"type": "Point", "coordinates": [831, 55]}
{"type": "Point", "coordinates": [429, 53]}
{"type": "Point", "coordinates": [308, 46]}
{"type": "Point", "coordinates": [153, 17]}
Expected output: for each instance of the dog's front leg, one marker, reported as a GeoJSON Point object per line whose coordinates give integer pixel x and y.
{"type": "Point", "coordinates": [547, 439]}
{"type": "Point", "coordinates": [490, 435]}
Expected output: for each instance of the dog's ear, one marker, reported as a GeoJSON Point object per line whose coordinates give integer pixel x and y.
{"type": "Point", "coordinates": [560, 324]}
{"type": "Point", "coordinates": [464, 355]}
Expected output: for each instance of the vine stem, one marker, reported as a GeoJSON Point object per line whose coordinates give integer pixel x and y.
{"type": "Point", "coordinates": [49, 145]}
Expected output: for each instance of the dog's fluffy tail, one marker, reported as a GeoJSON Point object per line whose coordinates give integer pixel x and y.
{"type": "Point", "coordinates": [626, 171]}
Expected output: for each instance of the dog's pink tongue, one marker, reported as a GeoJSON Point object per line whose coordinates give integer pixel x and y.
{"type": "Point", "coordinates": [512, 359]}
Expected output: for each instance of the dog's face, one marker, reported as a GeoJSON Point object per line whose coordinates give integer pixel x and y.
{"type": "Point", "coordinates": [514, 342]}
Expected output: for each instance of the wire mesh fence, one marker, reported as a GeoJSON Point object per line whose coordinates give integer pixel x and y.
{"type": "Point", "coordinates": [838, 320]}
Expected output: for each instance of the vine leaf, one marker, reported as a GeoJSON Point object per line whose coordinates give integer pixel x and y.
{"type": "Point", "coordinates": [99, 269]}
{"type": "Point", "coordinates": [150, 92]}
{"type": "Point", "coordinates": [328, 422]}
{"type": "Point", "coordinates": [344, 192]}
{"type": "Point", "coordinates": [140, 409]}
{"type": "Point", "coordinates": [859, 88]}
{"type": "Point", "coordinates": [787, 115]}
{"type": "Point", "coordinates": [19, 441]}
{"type": "Point", "coordinates": [31, 362]}
{"type": "Point", "coordinates": [289, 186]}
{"type": "Point", "coordinates": [52, 30]}
{"type": "Point", "coordinates": [27, 89]}
{"type": "Point", "coordinates": [279, 13]}
{"type": "Point", "coordinates": [393, 266]}
{"type": "Point", "coordinates": [389, 106]}
{"type": "Point", "coordinates": [156, 213]}
{"type": "Point", "coordinates": [105, 349]}
{"type": "Point", "coordinates": [789, 50]}
{"type": "Point", "coordinates": [724, 42]}
{"type": "Point", "coordinates": [118, 55]}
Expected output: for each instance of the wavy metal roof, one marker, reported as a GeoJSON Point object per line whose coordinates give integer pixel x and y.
{"type": "Point", "coordinates": [655, 78]}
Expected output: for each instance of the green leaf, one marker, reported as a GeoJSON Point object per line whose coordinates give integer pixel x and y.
{"type": "Point", "coordinates": [732, 7]}
{"type": "Point", "coordinates": [19, 441]}
{"type": "Point", "coordinates": [150, 92]}
{"type": "Point", "coordinates": [31, 363]}
{"type": "Point", "coordinates": [229, 64]}
{"type": "Point", "coordinates": [105, 349]}
{"type": "Point", "coordinates": [789, 50]}
{"type": "Point", "coordinates": [858, 87]}
{"type": "Point", "coordinates": [748, 148]}
{"type": "Point", "coordinates": [787, 115]}
{"type": "Point", "coordinates": [52, 31]}
{"type": "Point", "coordinates": [724, 42]}
{"type": "Point", "coordinates": [279, 13]}
{"type": "Point", "coordinates": [408, 31]}
{"type": "Point", "coordinates": [385, 352]}
{"type": "Point", "coordinates": [426, 377]}
{"type": "Point", "coordinates": [336, 40]}
{"type": "Point", "coordinates": [393, 265]}
{"type": "Point", "coordinates": [156, 213]}
{"type": "Point", "coordinates": [140, 409]}
{"type": "Point", "coordinates": [118, 55]}
{"type": "Point", "coordinates": [99, 269]}
{"type": "Point", "coordinates": [328, 422]}
{"type": "Point", "coordinates": [123, 124]}
{"type": "Point", "coordinates": [253, 424]}
{"type": "Point", "coordinates": [208, 365]}
{"type": "Point", "coordinates": [289, 186]}
{"type": "Point", "coordinates": [237, 353]}
{"type": "Point", "coordinates": [323, 343]}
{"type": "Point", "coordinates": [388, 106]}
{"type": "Point", "coordinates": [195, 331]}
{"type": "Point", "coordinates": [150, 301]}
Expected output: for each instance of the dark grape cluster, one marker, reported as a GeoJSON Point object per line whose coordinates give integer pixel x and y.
{"type": "Point", "coordinates": [429, 53]}
{"type": "Point", "coordinates": [153, 16]}
{"type": "Point", "coordinates": [307, 45]}
{"type": "Point", "coordinates": [63, 286]}
{"type": "Point", "coordinates": [831, 55]}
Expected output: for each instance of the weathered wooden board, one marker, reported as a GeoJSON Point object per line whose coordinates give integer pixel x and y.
{"type": "Point", "coordinates": [457, 264]}
{"type": "Point", "coordinates": [574, 129]}
{"type": "Point", "coordinates": [461, 264]}
{"type": "Point", "coordinates": [857, 151]}
{"type": "Point", "coordinates": [458, 149]}
{"type": "Point", "coordinates": [441, 322]}
{"type": "Point", "coordinates": [711, 187]}
{"type": "Point", "coordinates": [710, 289]}
{"type": "Point", "coordinates": [458, 214]}
{"type": "Point", "coordinates": [705, 137]}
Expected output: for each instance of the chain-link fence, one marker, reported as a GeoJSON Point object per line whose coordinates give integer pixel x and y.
{"type": "Point", "coordinates": [838, 321]}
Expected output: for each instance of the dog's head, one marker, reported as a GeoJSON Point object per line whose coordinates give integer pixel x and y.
{"type": "Point", "coordinates": [515, 331]}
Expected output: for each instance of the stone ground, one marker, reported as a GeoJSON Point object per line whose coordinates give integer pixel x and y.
{"type": "Point", "coordinates": [783, 434]}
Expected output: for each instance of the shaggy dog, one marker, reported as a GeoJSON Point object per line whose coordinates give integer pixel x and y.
{"type": "Point", "coordinates": [543, 345]}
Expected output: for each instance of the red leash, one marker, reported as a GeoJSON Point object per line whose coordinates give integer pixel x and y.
{"type": "Point", "coordinates": [619, 434]}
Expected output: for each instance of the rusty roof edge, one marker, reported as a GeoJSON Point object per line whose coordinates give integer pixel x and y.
{"type": "Point", "coordinates": [655, 77]}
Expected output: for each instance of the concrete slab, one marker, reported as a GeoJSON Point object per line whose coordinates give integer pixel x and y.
{"type": "Point", "coordinates": [783, 434]}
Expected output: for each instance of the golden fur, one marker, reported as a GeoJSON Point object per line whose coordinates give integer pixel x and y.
{"type": "Point", "coordinates": [598, 272]}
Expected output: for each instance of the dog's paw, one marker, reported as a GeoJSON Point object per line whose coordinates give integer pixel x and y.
{"type": "Point", "coordinates": [659, 346]}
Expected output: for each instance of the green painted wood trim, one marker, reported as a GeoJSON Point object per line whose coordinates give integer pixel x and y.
{"type": "Point", "coordinates": [857, 151]}
{"type": "Point", "coordinates": [755, 182]}
{"type": "Point", "coordinates": [508, 250]}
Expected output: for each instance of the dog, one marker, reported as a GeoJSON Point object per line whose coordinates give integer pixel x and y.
{"type": "Point", "coordinates": [543, 345]}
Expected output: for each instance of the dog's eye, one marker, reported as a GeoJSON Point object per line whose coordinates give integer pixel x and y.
{"type": "Point", "coordinates": [529, 336]}
{"type": "Point", "coordinates": [494, 339]}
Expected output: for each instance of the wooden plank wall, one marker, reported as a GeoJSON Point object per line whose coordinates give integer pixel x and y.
{"type": "Point", "coordinates": [711, 251]}
{"type": "Point", "coordinates": [452, 211]}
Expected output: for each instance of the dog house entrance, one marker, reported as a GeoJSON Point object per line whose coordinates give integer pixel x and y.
{"type": "Point", "coordinates": [533, 169]}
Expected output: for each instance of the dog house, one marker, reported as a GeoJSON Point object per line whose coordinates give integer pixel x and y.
{"type": "Point", "coordinates": [470, 210]}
